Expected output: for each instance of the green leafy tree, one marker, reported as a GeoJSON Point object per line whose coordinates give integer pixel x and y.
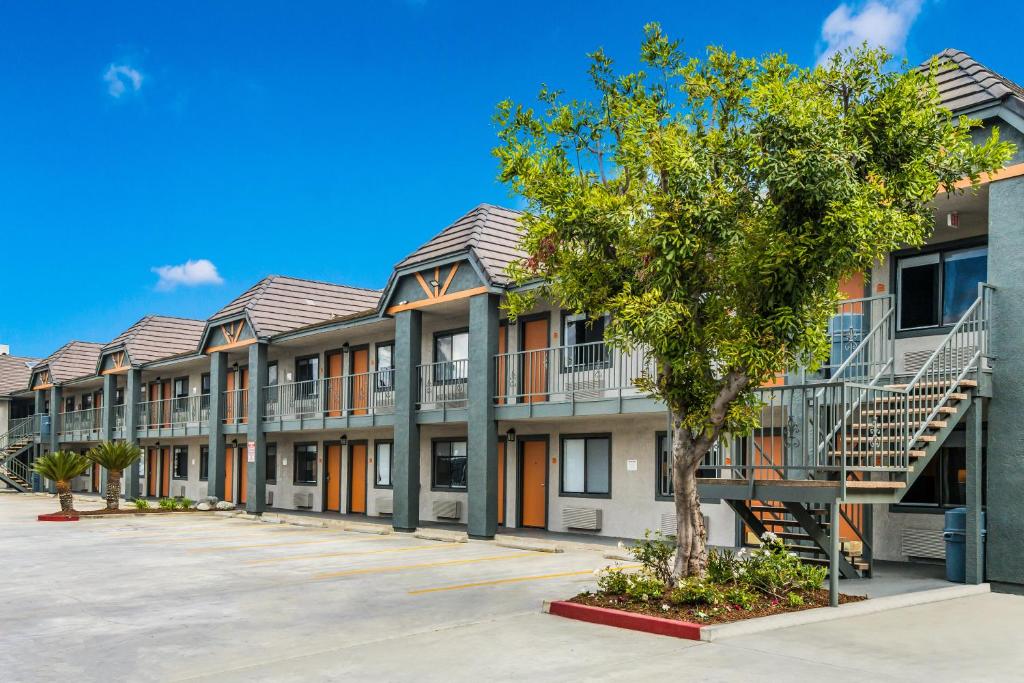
{"type": "Point", "coordinates": [115, 457]}
{"type": "Point", "coordinates": [712, 205]}
{"type": "Point", "coordinates": [61, 467]}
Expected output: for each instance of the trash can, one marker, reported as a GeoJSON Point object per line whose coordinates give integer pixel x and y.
{"type": "Point", "coordinates": [955, 535]}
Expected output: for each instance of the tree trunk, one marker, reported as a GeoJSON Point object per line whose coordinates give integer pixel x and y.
{"type": "Point", "coordinates": [65, 497]}
{"type": "Point", "coordinates": [113, 489]}
{"type": "Point", "coordinates": [691, 535]}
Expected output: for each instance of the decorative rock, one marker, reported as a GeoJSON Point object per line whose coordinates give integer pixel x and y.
{"type": "Point", "coordinates": [212, 500]}
{"type": "Point", "coordinates": [225, 505]}
{"type": "Point", "coordinates": [204, 506]}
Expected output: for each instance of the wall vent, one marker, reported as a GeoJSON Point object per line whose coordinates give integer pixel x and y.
{"type": "Point", "coordinates": [447, 509]}
{"type": "Point", "coordinates": [385, 505]}
{"type": "Point", "coordinates": [927, 543]}
{"type": "Point", "coordinates": [950, 360]}
{"type": "Point", "coordinates": [303, 500]}
{"type": "Point", "coordinates": [270, 498]}
{"type": "Point", "coordinates": [586, 519]}
{"type": "Point", "coordinates": [181, 491]}
{"type": "Point", "coordinates": [668, 524]}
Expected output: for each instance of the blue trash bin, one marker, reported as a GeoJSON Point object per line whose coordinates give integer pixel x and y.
{"type": "Point", "coordinates": [955, 535]}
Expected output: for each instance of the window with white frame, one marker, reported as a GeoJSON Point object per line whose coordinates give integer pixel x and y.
{"type": "Point", "coordinates": [449, 460]}
{"type": "Point", "coordinates": [937, 288]}
{"type": "Point", "coordinates": [451, 355]}
{"type": "Point", "coordinates": [587, 465]}
{"type": "Point", "coordinates": [583, 338]}
{"type": "Point", "coordinates": [383, 460]}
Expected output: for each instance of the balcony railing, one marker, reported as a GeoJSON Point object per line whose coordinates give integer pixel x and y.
{"type": "Point", "coordinates": [236, 406]}
{"type": "Point", "coordinates": [583, 372]}
{"type": "Point", "coordinates": [862, 336]}
{"type": "Point", "coordinates": [80, 421]}
{"type": "Point", "coordinates": [444, 384]}
{"type": "Point", "coordinates": [172, 412]}
{"type": "Point", "coordinates": [119, 413]}
{"type": "Point", "coordinates": [367, 393]}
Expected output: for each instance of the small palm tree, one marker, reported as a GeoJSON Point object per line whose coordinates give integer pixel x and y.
{"type": "Point", "coordinates": [61, 467]}
{"type": "Point", "coordinates": [115, 457]}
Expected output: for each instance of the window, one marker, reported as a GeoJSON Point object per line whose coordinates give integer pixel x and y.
{"type": "Point", "coordinates": [69, 404]}
{"type": "Point", "coordinates": [119, 396]}
{"type": "Point", "coordinates": [307, 370]}
{"type": "Point", "coordinates": [385, 367]}
{"type": "Point", "coordinates": [204, 383]}
{"type": "Point", "coordinates": [305, 463]}
{"type": "Point", "coordinates": [583, 338]}
{"type": "Point", "coordinates": [382, 463]}
{"type": "Point", "coordinates": [586, 465]}
{"type": "Point", "coordinates": [87, 402]}
{"type": "Point", "coordinates": [449, 465]}
{"type": "Point", "coordinates": [271, 463]}
{"type": "Point", "coordinates": [665, 487]}
{"type": "Point", "coordinates": [204, 463]}
{"type": "Point", "coordinates": [451, 349]}
{"type": "Point", "coordinates": [943, 483]}
{"type": "Point", "coordinates": [181, 387]}
{"type": "Point", "coordinates": [272, 374]}
{"type": "Point", "coordinates": [937, 288]}
{"type": "Point", "coordinates": [180, 463]}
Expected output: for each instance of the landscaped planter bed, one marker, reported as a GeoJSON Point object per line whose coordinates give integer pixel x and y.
{"type": "Point", "coordinates": [75, 514]}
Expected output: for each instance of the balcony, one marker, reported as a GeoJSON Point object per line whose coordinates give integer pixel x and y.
{"type": "Point", "coordinates": [363, 399]}
{"type": "Point", "coordinates": [183, 416]}
{"type": "Point", "coordinates": [80, 425]}
{"type": "Point", "coordinates": [235, 409]}
{"type": "Point", "coordinates": [584, 379]}
{"type": "Point", "coordinates": [443, 388]}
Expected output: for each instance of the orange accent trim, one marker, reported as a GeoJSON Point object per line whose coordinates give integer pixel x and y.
{"type": "Point", "coordinates": [40, 387]}
{"type": "Point", "coordinates": [228, 347]}
{"type": "Point", "coordinates": [115, 371]}
{"type": "Point", "coordinates": [448, 280]}
{"type": "Point", "coordinates": [441, 299]}
{"type": "Point", "coordinates": [1002, 174]}
{"type": "Point", "coordinates": [424, 286]}
{"type": "Point", "coordinates": [437, 278]}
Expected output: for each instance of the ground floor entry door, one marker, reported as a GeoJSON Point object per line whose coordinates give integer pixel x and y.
{"type": "Point", "coordinates": [357, 478]}
{"type": "Point", "coordinates": [95, 477]}
{"type": "Point", "coordinates": [165, 471]}
{"type": "Point", "coordinates": [501, 481]}
{"type": "Point", "coordinates": [243, 474]}
{"type": "Point", "coordinates": [533, 458]}
{"type": "Point", "coordinates": [229, 474]}
{"type": "Point", "coordinates": [151, 470]}
{"type": "Point", "coordinates": [332, 480]}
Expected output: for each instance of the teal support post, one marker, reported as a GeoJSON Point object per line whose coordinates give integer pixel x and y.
{"type": "Point", "coordinates": [975, 550]}
{"type": "Point", "coordinates": [406, 475]}
{"type": "Point", "coordinates": [132, 393]}
{"type": "Point", "coordinates": [107, 419]}
{"type": "Point", "coordinates": [256, 486]}
{"type": "Point", "coordinates": [218, 384]}
{"type": "Point", "coordinates": [43, 425]}
{"type": "Point", "coordinates": [56, 398]}
{"type": "Point", "coordinates": [833, 554]}
{"type": "Point", "coordinates": [482, 429]}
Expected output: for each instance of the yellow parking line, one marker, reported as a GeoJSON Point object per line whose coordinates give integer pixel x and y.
{"type": "Point", "coordinates": [421, 565]}
{"type": "Point", "coordinates": [513, 579]}
{"type": "Point", "coordinates": [347, 553]}
{"type": "Point", "coordinates": [273, 544]}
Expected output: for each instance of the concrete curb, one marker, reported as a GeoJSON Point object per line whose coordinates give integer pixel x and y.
{"type": "Point", "coordinates": [853, 609]}
{"type": "Point", "coordinates": [674, 628]}
{"type": "Point", "coordinates": [442, 535]}
{"type": "Point", "coordinates": [317, 523]}
{"type": "Point", "coordinates": [520, 543]}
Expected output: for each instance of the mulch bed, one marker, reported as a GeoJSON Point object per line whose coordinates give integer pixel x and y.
{"type": "Point", "coordinates": [705, 614]}
{"type": "Point", "coordinates": [119, 511]}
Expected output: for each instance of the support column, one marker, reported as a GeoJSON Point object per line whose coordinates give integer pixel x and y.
{"type": "Point", "coordinates": [483, 433]}
{"type": "Point", "coordinates": [107, 420]}
{"type": "Point", "coordinates": [218, 383]}
{"type": "Point", "coordinates": [56, 397]}
{"type": "Point", "coordinates": [975, 550]}
{"type": "Point", "coordinates": [132, 389]}
{"type": "Point", "coordinates": [833, 554]}
{"type": "Point", "coordinates": [406, 477]}
{"type": "Point", "coordinates": [43, 424]}
{"type": "Point", "coordinates": [256, 486]}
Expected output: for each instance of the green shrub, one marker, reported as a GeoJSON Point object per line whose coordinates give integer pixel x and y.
{"type": "Point", "coordinates": [740, 596]}
{"type": "Point", "coordinates": [141, 504]}
{"type": "Point", "coordinates": [655, 552]}
{"type": "Point", "coordinates": [185, 503]}
{"type": "Point", "coordinates": [725, 566]}
{"type": "Point", "coordinates": [774, 571]}
{"type": "Point", "coordinates": [166, 503]}
{"type": "Point", "coordinates": [644, 586]}
{"type": "Point", "coordinates": [794, 600]}
{"type": "Point", "coordinates": [693, 591]}
{"type": "Point", "coordinates": [612, 581]}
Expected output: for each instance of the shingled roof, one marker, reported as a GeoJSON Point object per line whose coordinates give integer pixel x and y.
{"type": "Point", "coordinates": [15, 373]}
{"type": "Point", "coordinates": [73, 360]}
{"type": "Point", "coordinates": [158, 336]}
{"type": "Point", "coordinates": [279, 304]}
{"type": "Point", "coordinates": [489, 232]}
{"type": "Point", "coordinates": [965, 84]}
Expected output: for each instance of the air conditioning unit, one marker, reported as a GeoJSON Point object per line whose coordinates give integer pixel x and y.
{"type": "Point", "coordinates": [586, 519]}
{"type": "Point", "coordinates": [447, 509]}
{"type": "Point", "coordinates": [385, 505]}
{"type": "Point", "coordinates": [270, 498]}
{"type": "Point", "coordinates": [303, 500]}
{"type": "Point", "coordinates": [668, 524]}
{"type": "Point", "coordinates": [926, 543]}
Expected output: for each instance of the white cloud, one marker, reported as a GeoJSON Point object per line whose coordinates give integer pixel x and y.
{"type": "Point", "coordinates": [882, 23]}
{"type": "Point", "coordinates": [188, 274]}
{"type": "Point", "coordinates": [121, 77]}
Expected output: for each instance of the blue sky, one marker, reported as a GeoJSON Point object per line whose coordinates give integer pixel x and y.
{"type": "Point", "coordinates": [316, 139]}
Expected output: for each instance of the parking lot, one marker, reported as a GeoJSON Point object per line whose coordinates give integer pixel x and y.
{"type": "Point", "coordinates": [216, 598]}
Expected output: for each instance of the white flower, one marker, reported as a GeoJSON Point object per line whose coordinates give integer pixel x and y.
{"type": "Point", "coordinates": [769, 537]}
{"type": "Point", "coordinates": [664, 607]}
{"type": "Point", "coordinates": [622, 546]}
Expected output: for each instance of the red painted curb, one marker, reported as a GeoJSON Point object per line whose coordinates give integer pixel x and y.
{"type": "Point", "coordinates": [630, 620]}
{"type": "Point", "coordinates": [57, 517]}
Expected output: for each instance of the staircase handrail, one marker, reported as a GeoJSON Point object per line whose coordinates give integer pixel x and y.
{"type": "Point", "coordinates": [22, 427]}
{"type": "Point", "coordinates": [884, 323]}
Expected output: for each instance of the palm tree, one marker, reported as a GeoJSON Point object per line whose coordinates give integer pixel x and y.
{"type": "Point", "coordinates": [61, 467]}
{"type": "Point", "coordinates": [115, 457]}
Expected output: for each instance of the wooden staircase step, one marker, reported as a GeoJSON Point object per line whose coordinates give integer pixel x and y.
{"type": "Point", "coordinates": [927, 438]}
{"type": "Point", "coordinates": [912, 453]}
{"type": "Point", "coordinates": [782, 511]}
{"type": "Point", "coordinates": [966, 383]}
{"type": "Point", "coordinates": [955, 396]}
{"type": "Point", "coordinates": [898, 412]}
{"type": "Point", "coordinates": [932, 424]}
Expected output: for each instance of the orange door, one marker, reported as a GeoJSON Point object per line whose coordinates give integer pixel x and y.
{"type": "Point", "coordinates": [333, 479]}
{"type": "Point", "coordinates": [503, 362]}
{"type": "Point", "coordinates": [229, 472]}
{"type": "Point", "coordinates": [533, 497]}
{"type": "Point", "coordinates": [535, 369]}
{"type": "Point", "coordinates": [97, 416]}
{"type": "Point", "coordinates": [333, 382]}
{"type": "Point", "coordinates": [154, 406]}
{"type": "Point", "coordinates": [501, 482]}
{"type": "Point", "coordinates": [165, 404]}
{"type": "Point", "coordinates": [243, 474]}
{"type": "Point", "coordinates": [243, 395]}
{"type": "Point", "coordinates": [165, 471]}
{"type": "Point", "coordinates": [229, 403]}
{"type": "Point", "coordinates": [151, 473]}
{"type": "Point", "coordinates": [357, 478]}
{"type": "Point", "coordinates": [95, 477]}
{"type": "Point", "coordinates": [360, 380]}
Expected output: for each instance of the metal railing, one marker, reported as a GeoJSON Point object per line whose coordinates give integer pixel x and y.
{"type": "Point", "coordinates": [80, 421]}
{"type": "Point", "coordinates": [443, 384]}
{"type": "Point", "coordinates": [19, 431]}
{"type": "Point", "coordinates": [236, 406]}
{"type": "Point", "coordinates": [580, 372]}
{"type": "Point", "coordinates": [119, 414]}
{"type": "Point", "coordinates": [862, 337]}
{"type": "Point", "coordinates": [366, 393]}
{"type": "Point", "coordinates": [173, 412]}
{"type": "Point", "coordinates": [18, 468]}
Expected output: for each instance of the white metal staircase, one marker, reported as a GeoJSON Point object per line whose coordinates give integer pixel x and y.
{"type": "Point", "coordinates": [14, 470]}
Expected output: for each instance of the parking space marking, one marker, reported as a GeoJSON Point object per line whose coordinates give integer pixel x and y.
{"type": "Point", "coordinates": [512, 579]}
{"type": "Point", "coordinates": [422, 565]}
{"type": "Point", "coordinates": [279, 544]}
{"type": "Point", "coordinates": [349, 553]}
